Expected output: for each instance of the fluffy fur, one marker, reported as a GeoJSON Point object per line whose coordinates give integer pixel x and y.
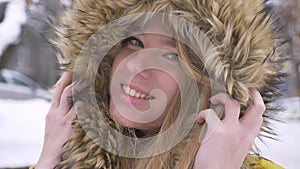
{"type": "Point", "coordinates": [246, 38]}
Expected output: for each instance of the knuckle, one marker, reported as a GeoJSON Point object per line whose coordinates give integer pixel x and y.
{"type": "Point", "coordinates": [68, 89]}
{"type": "Point", "coordinates": [236, 103]}
{"type": "Point", "coordinates": [58, 85]}
{"type": "Point", "coordinates": [223, 133]}
{"type": "Point", "coordinates": [67, 92]}
{"type": "Point", "coordinates": [260, 108]}
{"type": "Point", "coordinates": [260, 121]}
{"type": "Point", "coordinates": [67, 121]}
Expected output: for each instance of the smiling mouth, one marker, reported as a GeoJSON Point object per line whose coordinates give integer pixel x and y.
{"type": "Point", "coordinates": [137, 94]}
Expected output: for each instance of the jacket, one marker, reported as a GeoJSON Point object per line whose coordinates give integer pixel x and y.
{"type": "Point", "coordinates": [245, 33]}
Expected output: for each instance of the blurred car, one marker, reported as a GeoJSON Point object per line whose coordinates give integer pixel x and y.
{"type": "Point", "coordinates": [15, 85]}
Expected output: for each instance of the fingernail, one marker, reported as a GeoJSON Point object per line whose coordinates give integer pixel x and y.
{"type": "Point", "coordinates": [212, 100]}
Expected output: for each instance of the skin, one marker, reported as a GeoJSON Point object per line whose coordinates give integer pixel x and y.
{"type": "Point", "coordinates": [233, 136]}
{"type": "Point", "coordinates": [143, 46]}
{"type": "Point", "coordinates": [148, 62]}
{"type": "Point", "coordinates": [58, 123]}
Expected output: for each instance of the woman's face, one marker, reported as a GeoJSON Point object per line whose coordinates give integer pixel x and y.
{"type": "Point", "coordinates": [144, 81]}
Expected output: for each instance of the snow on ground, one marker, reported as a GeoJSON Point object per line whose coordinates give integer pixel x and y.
{"type": "Point", "coordinates": [22, 129]}
{"type": "Point", "coordinates": [285, 151]}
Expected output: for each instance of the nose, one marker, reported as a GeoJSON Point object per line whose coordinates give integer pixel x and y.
{"type": "Point", "coordinates": [137, 64]}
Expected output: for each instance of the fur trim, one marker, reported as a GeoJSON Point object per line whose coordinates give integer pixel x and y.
{"type": "Point", "coordinates": [245, 35]}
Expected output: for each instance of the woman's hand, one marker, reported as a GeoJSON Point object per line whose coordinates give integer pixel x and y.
{"type": "Point", "coordinates": [58, 123]}
{"type": "Point", "coordinates": [231, 138]}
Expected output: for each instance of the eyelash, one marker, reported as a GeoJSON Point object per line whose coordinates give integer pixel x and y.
{"type": "Point", "coordinates": [172, 56]}
{"type": "Point", "coordinates": [136, 42]}
{"type": "Point", "coordinates": [133, 41]}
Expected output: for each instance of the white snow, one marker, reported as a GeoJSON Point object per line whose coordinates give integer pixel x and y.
{"type": "Point", "coordinates": [11, 26]}
{"type": "Point", "coordinates": [286, 151]}
{"type": "Point", "coordinates": [21, 131]}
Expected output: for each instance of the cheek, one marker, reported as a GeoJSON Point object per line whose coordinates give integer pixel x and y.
{"type": "Point", "coordinates": [119, 58]}
{"type": "Point", "coordinates": [168, 85]}
{"type": "Point", "coordinates": [116, 62]}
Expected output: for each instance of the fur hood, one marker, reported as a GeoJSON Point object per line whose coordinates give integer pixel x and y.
{"type": "Point", "coordinates": [244, 33]}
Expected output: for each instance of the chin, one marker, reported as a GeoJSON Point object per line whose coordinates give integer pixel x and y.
{"type": "Point", "coordinates": [119, 119]}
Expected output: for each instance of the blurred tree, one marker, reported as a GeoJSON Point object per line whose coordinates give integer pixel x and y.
{"type": "Point", "coordinates": [32, 54]}
{"type": "Point", "coordinates": [2, 10]}
{"type": "Point", "coordinates": [289, 13]}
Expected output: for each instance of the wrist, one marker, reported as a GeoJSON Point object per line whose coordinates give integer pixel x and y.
{"type": "Point", "coordinates": [46, 163]}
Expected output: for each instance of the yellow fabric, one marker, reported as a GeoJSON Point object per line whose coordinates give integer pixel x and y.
{"type": "Point", "coordinates": [262, 163]}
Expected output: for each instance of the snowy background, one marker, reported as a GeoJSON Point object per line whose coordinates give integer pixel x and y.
{"type": "Point", "coordinates": [286, 150]}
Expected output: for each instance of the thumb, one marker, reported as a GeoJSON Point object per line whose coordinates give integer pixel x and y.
{"type": "Point", "coordinates": [212, 122]}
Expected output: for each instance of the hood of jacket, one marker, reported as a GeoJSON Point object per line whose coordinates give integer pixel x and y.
{"type": "Point", "coordinates": [245, 34]}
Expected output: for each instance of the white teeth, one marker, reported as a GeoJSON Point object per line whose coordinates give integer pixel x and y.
{"type": "Point", "coordinates": [135, 93]}
{"type": "Point", "coordinates": [126, 89]}
{"type": "Point", "coordinates": [138, 94]}
{"type": "Point", "coordinates": [132, 92]}
{"type": "Point", "coordinates": [143, 96]}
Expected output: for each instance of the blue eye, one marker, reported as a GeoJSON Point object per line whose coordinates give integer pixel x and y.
{"type": "Point", "coordinates": [172, 56]}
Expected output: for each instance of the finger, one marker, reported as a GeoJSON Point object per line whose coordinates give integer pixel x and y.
{"type": "Point", "coordinates": [65, 80]}
{"type": "Point", "coordinates": [212, 123]}
{"type": "Point", "coordinates": [71, 115]}
{"type": "Point", "coordinates": [74, 110]}
{"type": "Point", "coordinates": [252, 120]}
{"type": "Point", "coordinates": [232, 107]}
{"type": "Point", "coordinates": [253, 116]}
{"type": "Point", "coordinates": [209, 116]}
{"type": "Point", "coordinates": [69, 120]}
{"type": "Point", "coordinates": [258, 102]}
{"type": "Point", "coordinates": [66, 100]}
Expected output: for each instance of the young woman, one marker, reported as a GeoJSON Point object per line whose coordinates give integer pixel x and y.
{"type": "Point", "coordinates": [147, 75]}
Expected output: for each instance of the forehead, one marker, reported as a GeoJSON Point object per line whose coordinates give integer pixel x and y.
{"type": "Point", "coordinates": [153, 25]}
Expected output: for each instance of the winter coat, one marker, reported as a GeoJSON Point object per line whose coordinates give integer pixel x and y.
{"type": "Point", "coordinates": [246, 37]}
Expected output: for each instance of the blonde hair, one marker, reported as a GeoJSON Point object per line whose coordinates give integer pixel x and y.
{"type": "Point", "coordinates": [183, 154]}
